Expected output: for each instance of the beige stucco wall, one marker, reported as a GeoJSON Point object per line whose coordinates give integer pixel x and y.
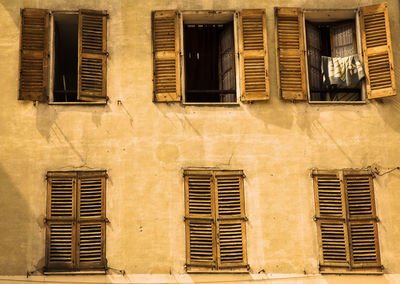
{"type": "Point", "coordinates": [144, 147]}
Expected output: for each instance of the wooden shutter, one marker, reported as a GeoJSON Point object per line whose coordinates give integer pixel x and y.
{"type": "Point", "coordinates": [331, 214]}
{"type": "Point", "coordinates": [91, 217]}
{"type": "Point", "coordinates": [200, 224]}
{"type": "Point", "coordinates": [231, 244]}
{"type": "Point", "coordinates": [166, 57]}
{"type": "Point", "coordinates": [362, 224]}
{"type": "Point", "coordinates": [290, 53]}
{"type": "Point", "coordinates": [377, 48]}
{"type": "Point", "coordinates": [254, 80]}
{"type": "Point", "coordinates": [61, 221]}
{"type": "Point", "coordinates": [92, 56]}
{"type": "Point", "coordinates": [34, 52]}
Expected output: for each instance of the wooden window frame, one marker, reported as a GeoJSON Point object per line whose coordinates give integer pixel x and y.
{"type": "Point", "coordinates": [348, 266]}
{"type": "Point", "coordinates": [216, 220]}
{"type": "Point", "coordinates": [76, 221]}
{"type": "Point", "coordinates": [358, 42]}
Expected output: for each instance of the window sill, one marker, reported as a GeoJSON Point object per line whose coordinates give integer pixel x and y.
{"type": "Point", "coordinates": [213, 104]}
{"type": "Point", "coordinates": [350, 273]}
{"type": "Point", "coordinates": [81, 272]}
{"type": "Point", "coordinates": [77, 103]}
{"type": "Point", "coordinates": [338, 102]}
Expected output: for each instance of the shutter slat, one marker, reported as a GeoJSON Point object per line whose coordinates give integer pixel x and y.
{"type": "Point", "coordinates": [229, 194]}
{"type": "Point", "coordinates": [91, 197]}
{"type": "Point", "coordinates": [166, 58]}
{"type": "Point", "coordinates": [34, 49]}
{"type": "Point", "coordinates": [364, 243]}
{"type": "Point", "coordinates": [333, 242]}
{"type": "Point", "coordinates": [290, 54]}
{"type": "Point", "coordinates": [60, 250]}
{"type": "Point", "coordinates": [91, 244]}
{"type": "Point", "coordinates": [92, 63]}
{"type": "Point", "coordinates": [253, 56]}
{"type": "Point", "coordinates": [61, 198]}
{"type": "Point", "coordinates": [199, 196]}
{"type": "Point", "coordinates": [359, 195]}
{"type": "Point", "coordinates": [231, 243]}
{"type": "Point", "coordinates": [329, 196]}
{"type": "Point", "coordinates": [377, 49]}
{"type": "Point", "coordinates": [201, 242]}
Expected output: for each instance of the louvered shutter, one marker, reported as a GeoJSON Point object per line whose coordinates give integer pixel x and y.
{"type": "Point", "coordinates": [331, 216]}
{"type": "Point", "coordinates": [91, 217]}
{"type": "Point", "coordinates": [200, 224]}
{"type": "Point", "coordinates": [92, 56]}
{"type": "Point", "coordinates": [377, 48]}
{"type": "Point", "coordinates": [231, 227]}
{"type": "Point", "coordinates": [166, 57]}
{"type": "Point", "coordinates": [34, 52]}
{"type": "Point", "coordinates": [291, 54]}
{"type": "Point", "coordinates": [362, 225]}
{"type": "Point", "coordinates": [61, 221]}
{"type": "Point", "coordinates": [253, 55]}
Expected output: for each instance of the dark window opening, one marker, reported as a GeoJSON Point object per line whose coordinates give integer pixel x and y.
{"type": "Point", "coordinates": [209, 63]}
{"type": "Point", "coordinates": [66, 57]}
{"type": "Point", "coordinates": [332, 40]}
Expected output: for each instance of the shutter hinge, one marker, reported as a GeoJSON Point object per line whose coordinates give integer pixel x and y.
{"type": "Point", "coordinates": [106, 53]}
{"type": "Point", "coordinates": [45, 221]}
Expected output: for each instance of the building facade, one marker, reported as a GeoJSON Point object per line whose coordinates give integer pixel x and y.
{"type": "Point", "coordinates": [161, 152]}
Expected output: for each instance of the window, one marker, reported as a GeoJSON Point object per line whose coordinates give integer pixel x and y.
{"type": "Point", "coordinates": [196, 53]}
{"type": "Point", "coordinates": [347, 222]}
{"type": "Point", "coordinates": [76, 217]}
{"type": "Point", "coordinates": [357, 39]}
{"type": "Point", "coordinates": [215, 221]}
{"type": "Point", "coordinates": [69, 47]}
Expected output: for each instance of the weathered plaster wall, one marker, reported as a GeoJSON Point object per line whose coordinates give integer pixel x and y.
{"type": "Point", "coordinates": [144, 147]}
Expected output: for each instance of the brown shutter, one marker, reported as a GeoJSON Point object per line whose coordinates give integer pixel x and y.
{"type": "Point", "coordinates": [91, 217]}
{"type": "Point", "coordinates": [200, 224]}
{"type": "Point", "coordinates": [34, 53]}
{"type": "Point", "coordinates": [92, 56]}
{"type": "Point", "coordinates": [331, 216]}
{"type": "Point", "coordinates": [166, 57]}
{"type": "Point", "coordinates": [377, 48]}
{"type": "Point", "coordinates": [362, 225]}
{"type": "Point", "coordinates": [231, 227]}
{"type": "Point", "coordinates": [290, 54]}
{"type": "Point", "coordinates": [253, 55]}
{"type": "Point", "coordinates": [61, 221]}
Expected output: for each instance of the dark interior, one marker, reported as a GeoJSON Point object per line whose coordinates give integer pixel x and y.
{"type": "Point", "coordinates": [66, 57]}
{"type": "Point", "coordinates": [203, 62]}
{"type": "Point", "coordinates": [319, 44]}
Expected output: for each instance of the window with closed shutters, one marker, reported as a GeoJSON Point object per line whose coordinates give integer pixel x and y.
{"type": "Point", "coordinates": [75, 221]}
{"type": "Point", "coordinates": [347, 222]}
{"type": "Point", "coordinates": [215, 220]}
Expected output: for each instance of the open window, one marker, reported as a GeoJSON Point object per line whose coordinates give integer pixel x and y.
{"type": "Point", "coordinates": [63, 56]}
{"type": "Point", "coordinates": [209, 57]}
{"type": "Point", "coordinates": [334, 55]}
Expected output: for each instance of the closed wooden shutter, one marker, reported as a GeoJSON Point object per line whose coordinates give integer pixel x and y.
{"type": "Point", "coordinates": [231, 233]}
{"type": "Point", "coordinates": [377, 48]}
{"type": "Point", "coordinates": [254, 79]}
{"type": "Point", "coordinates": [346, 218]}
{"type": "Point", "coordinates": [91, 217]}
{"type": "Point", "coordinates": [166, 57]}
{"type": "Point", "coordinates": [291, 53]}
{"type": "Point", "coordinates": [200, 223]}
{"type": "Point", "coordinates": [34, 52]}
{"type": "Point", "coordinates": [362, 226]}
{"type": "Point", "coordinates": [215, 219]}
{"type": "Point", "coordinates": [92, 56]}
{"type": "Point", "coordinates": [60, 249]}
{"type": "Point", "coordinates": [331, 214]}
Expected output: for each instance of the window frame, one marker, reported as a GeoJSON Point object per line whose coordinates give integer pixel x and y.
{"type": "Point", "coordinates": [358, 45]}
{"type": "Point", "coordinates": [76, 220]}
{"type": "Point", "coordinates": [341, 176]}
{"type": "Point", "coordinates": [201, 17]}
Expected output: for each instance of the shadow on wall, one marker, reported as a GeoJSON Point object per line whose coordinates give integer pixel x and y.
{"type": "Point", "coordinates": [16, 221]}
{"type": "Point", "coordinates": [389, 110]}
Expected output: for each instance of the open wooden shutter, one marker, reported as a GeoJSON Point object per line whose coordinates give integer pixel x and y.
{"type": "Point", "coordinates": [200, 223]}
{"type": "Point", "coordinates": [34, 54]}
{"type": "Point", "coordinates": [231, 226]}
{"type": "Point", "coordinates": [91, 217]}
{"type": "Point", "coordinates": [290, 53]}
{"type": "Point", "coordinates": [362, 221]}
{"type": "Point", "coordinates": [61, 221]}
{"type": "Point", "coordinates": [92, 56]}
{"type": "Point", "coordinates": [254, 80]}
{"type": "Point", "coordinates": [377, 48]}
{"type": "Point", "coordinates": [331, 220]}
{"type": "Point", "coordinates": [166, 57]}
